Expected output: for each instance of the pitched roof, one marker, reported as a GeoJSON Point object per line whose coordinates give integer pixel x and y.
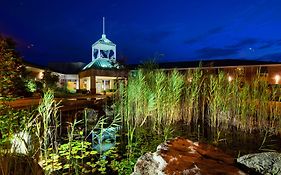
{"type": "Point", "coordinates": [105, 41]}
{"type": "Point", "coordinates": [66, 68]}
{"type": "Point", "coordinates": [102, 63]}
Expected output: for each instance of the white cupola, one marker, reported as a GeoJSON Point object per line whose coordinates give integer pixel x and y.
{"type": "Point", "coordinates": [103, 53]}
{"type": "Point", "coordinates": [104, 48]}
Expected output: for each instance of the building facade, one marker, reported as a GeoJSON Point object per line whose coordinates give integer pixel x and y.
{"type": "Point", "coordinates": [100, 75]}
{"type": "Point", "coordinates": [246, 69]}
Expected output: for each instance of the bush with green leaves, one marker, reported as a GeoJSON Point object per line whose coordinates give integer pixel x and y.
{"type": "Point", "coordinates": [12, 121]}
{"type": "Point", "coordinates": [50, 80]}
{"type": "Point", "coordinates": [30, 85]}
{"type": "Point", "coordinates": [77, 156]}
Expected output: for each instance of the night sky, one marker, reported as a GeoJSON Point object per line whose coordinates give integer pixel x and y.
{"type": "Point", "coordinates": [178, 30]}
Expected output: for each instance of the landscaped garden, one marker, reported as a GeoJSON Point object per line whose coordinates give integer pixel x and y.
{"type": "Point", "coordinates": [66, 133]}
{"type": "Point", "coordinates": [151, 107]}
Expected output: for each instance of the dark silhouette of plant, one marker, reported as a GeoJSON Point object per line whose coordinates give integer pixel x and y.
{"type": "Point", "coordinates": [50, 80]}
{"type": "Point", "coordinates": [11, 70]}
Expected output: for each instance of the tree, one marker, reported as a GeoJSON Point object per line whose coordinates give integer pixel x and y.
{"type": "Point", "coordinates": [11, 70]}
{"type": "Point", "coordinates": [50, 80]}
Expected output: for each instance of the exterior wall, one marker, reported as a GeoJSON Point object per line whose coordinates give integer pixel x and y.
{"type": "Point", "coordinates": [103, 72]}
{"type": "Point", "coordinates": [85, 83]}
{"type": "Point", "coordinates": [35, 72]}
{"type": "Point", "coordinates": [64, 79]}
{"type": "Point", "coordinates": [84, 80]}
{"type": "Point", "coordinates": [273, 73]}
{"type": "Point", "coordinates": [111, 84]}
{"type": "Point", "coordinates": [93, 73]}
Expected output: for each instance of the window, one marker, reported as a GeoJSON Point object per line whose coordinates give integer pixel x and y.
{"type": "Point", "coordinates": [104, 53]}
{"type": "Point", "coordinates": [111, 54]}
{"type": "Point", "coordinates": [95, 53]}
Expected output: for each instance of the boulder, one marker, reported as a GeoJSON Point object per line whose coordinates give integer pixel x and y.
{"type": "Point", "coordinates": [150, 163]}
{"type": "Point", "coordinates": [182, 156]}
{"type": "Point", "coordinates": [263, 163]}
{"type": "Point", "coordinates": [19, 164]}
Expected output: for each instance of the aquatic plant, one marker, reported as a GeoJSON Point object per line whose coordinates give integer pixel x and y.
{"type": "Point", "coordinates": [206, 99]}
{"type": "Point", "coordinates": [47, 124]}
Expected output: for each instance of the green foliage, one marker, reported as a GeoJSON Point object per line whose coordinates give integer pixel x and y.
{"type": "Point", "coordinates": [30, 85]}
{"type": "Point", "coordinates": [77, 156]}
{"type": "Point", "coordinates": [208, 102]}
{"type": "Point", "coordinates": [11, 70]}
{"type": "Point", "coordinates": [74, 157]}
{"type": "Point", "coordinates": [193, 91]}
{"type": "Point", "coordinates": [49, 80]}
{"type": "Point", "coordinates": [12, 121]}
{"type": "Point", "coordinates": [61, 92]}
{"type": "Point", "coordinates": [124, 166]}
{"type": "Point", "coordinates": [150, 106]}
{"type": "Point", "coordinates": [8, 124]}
{"type": "Point", "coordinates": [47, 123]}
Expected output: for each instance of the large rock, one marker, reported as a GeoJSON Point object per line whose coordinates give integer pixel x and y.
{"type": "Point", "coordinates": [264, 163]}
{"type": "Point", "coordinates": [182, 156]}
{"type": "Point", "coordinates": [19, 164]}
{"type": "Point", "coordinates": [150, 163]}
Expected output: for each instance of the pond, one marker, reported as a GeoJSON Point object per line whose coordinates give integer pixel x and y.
{"type": "Point", "coordinates": [152, 107]}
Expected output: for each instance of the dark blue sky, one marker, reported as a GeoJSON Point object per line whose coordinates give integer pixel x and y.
{"type": "Point", "coordinates": [178, 30]}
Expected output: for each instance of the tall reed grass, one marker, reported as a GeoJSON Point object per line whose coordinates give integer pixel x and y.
{"type": "Point", "coordinates": [158, 99]}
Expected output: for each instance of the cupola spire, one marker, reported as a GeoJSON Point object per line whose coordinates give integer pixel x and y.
{"type": "Point", "coordinates": [103, 52]}
{"type": "Point", "coordinates": [103, 27]}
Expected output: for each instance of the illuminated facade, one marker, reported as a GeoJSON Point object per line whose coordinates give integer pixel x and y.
{"type": "Point", "coordinates": [103, 72]}
{"type": "Point", "coordinates": [100, 75]}
{"type": "Point", "coordinates": [246, 69]}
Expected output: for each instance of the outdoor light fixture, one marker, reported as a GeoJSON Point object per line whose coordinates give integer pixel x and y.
{"type": "Point", "coordinates": [277, 78]}
{"type": "Point", "coordinates": [230, 78]}
{"type": "Point", "coordinates": [40, 75]}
